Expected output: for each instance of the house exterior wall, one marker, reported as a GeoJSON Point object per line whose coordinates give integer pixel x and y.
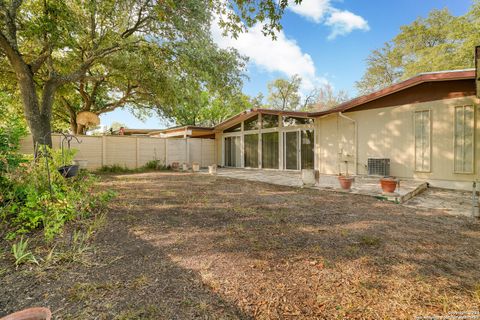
{"type": "Point", "coordinates": [389, 133]}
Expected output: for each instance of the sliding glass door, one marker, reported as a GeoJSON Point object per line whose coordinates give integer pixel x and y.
{"type": "Point", "coordinates": [291, 150]}
{"type": "Point", "coordinates": [298, 149]}
{"type": "Point", "coordinates": [232, 152]}
{"type": "Point", "coordinates": [270, 150]}
{"type": "Point", "coordinates": [250, 150]}
{"type": "Point", "coordinates": [307, 148]}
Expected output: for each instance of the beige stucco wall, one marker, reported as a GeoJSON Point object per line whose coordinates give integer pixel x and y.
{"type": "Point", "coordinates": [389, 133]}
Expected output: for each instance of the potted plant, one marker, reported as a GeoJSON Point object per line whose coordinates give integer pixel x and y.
{"type": "Point", "coordinates": [345, 180]}
{"type": "Point", "coordinates": [388, 184]}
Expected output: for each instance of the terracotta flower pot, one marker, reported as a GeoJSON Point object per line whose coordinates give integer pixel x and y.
{"type": "Point", "coordinates": [30, 314]}
{"type": "Point", "coordinates": [388, 185]}
{"type": "Point", "coordinates": [345, 182]}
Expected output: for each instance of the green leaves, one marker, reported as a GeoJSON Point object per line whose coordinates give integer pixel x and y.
{"type": "Point", "coordinates": [438, 42]}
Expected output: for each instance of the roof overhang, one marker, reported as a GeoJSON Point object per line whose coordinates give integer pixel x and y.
{"type": "Point", "coordinates": [185, 131]}
{"type": "Point", "coordinates": [414, 81]}
{"type": "Point", "coordinates": [252, 112]}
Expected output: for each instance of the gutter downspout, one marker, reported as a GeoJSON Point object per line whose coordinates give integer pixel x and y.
{"type": "Point", "coordinates": [355, 139]}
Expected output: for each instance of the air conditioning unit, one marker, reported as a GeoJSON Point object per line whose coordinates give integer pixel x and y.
{"type": "Point", "coordinates": [378, 167]}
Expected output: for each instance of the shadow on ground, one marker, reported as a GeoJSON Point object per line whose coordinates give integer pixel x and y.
{"type": "Point", "coordinates": [183, 246]}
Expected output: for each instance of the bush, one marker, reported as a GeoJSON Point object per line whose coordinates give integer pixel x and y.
{"type": "Point", "coordinates": [33, 201]}
{"type": "Point", "coordinates": [150, 165]}
{"type": "Point", "coordinates": [115, 168]}
{"type": "Point", "coordinates": [155, 165]}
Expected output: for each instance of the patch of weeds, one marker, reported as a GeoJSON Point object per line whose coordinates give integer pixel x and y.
{"type": "Point", "coordinates": [353, 250]}
{"type": "Point", "coordinates": [370, 241]}
{"type": "Point", "coordinates": [148, 312]}
{"type": "Point", "coordinates": [21, 254]}
{"type": "Point", "coordinates": [91, 291]}
{"type": "Point", "coordinates": [115, 168]}
{"type": "Point", "coordinates": [155, 165]}
{"type": "Point", "coordinates": [140, 282]}
{"type": "Point", "coordinates": [77, 249]}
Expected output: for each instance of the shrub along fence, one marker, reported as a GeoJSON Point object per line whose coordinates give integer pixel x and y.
{"type": "Point", "coordinates": [134, 151]}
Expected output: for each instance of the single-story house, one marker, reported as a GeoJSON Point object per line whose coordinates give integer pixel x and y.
{"type": "Point", "coordinates": [422, 128]}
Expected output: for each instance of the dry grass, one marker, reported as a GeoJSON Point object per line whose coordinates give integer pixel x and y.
{"type": "Point", "coordinates": [193, 246]}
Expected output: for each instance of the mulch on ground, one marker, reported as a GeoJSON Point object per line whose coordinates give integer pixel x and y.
{"type": "Point", "coordinates": [185, 246]}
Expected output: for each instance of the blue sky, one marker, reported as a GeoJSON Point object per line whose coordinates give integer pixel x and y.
{"type": "Point", "coordinates": [322, 40]}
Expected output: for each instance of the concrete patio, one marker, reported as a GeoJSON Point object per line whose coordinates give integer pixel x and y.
{"type": "Point", "coordinates": [369, 186]}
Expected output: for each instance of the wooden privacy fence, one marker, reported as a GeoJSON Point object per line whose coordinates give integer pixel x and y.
{"type": "Point", "coordinates": [134, 152]}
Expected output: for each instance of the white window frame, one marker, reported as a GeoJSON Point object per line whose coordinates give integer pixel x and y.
{"type": "Point", "coordinates": [280, 129]}
{"type": "Point", "coordinates": [429, 142]}
{"type": "Point", "coordinates": [455, 139]}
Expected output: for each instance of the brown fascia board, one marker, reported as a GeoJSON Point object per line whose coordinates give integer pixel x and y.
{"type": "Point", "coordinates": [421, 78]}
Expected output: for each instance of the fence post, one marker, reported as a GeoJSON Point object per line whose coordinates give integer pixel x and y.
{"type": "Point", "coordinates": [187, 151]}
{"type": "Point", "coordinates": [166, 151]}
{"type": "Point", "coordinates": [137, 153]}
{"type": "Point", "coordinates": [201, 153]}
{"type": "Point", "coordinates": [104, 150]}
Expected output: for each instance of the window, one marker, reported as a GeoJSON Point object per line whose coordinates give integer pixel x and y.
{"type": "Point", "coordinates": [251, 123]}
{"type": "Point", "coordinates": [464, 138]}
{"type": "Point", "coordinates": [269, 121]}
{"type": "Point", "coordinates": [235, 128]}
{"type": "Point", "coordinates": [270, 150]}
{"type": "Point", "coordinates": [422, 140]}
{"type": "Point", "coordinates": [295, 121]}
{"type": "Point", "coordinates": [250, 145]}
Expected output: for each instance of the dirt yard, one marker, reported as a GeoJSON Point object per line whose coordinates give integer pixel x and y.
{"type": "Point", "coordinates": [183, 246]}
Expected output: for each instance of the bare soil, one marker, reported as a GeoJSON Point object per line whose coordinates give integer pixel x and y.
{"type": "Point", "coordinates": [185, 246]}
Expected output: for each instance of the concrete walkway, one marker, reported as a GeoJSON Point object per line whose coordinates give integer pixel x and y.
{"type": "Point", "coordinates": [454, 202]}
{"type": "Point", "coordinates": [362, 185]}
{"type": "Point", "coordinates": [410, 193]}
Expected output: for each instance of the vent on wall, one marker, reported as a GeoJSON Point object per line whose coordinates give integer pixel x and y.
{"type": "Point", "coordinates": [378, 167]}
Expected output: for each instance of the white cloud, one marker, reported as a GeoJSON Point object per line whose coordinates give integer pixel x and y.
{"type": "Point", "coordinates": [341, 22]}
{"type": "Point", "coordinates": [281, 55]}
{"type": "Point", "coordinates": [314, 10]}
{"type": "Point", "coordinates": [344, 22]}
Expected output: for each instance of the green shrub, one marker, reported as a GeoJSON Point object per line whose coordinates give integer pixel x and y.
{"type": "Point", "coordinates": [155, 165]}
{"type": "Point", "coordinates": [35, 201]}
{"type": "Point", "coordinates": [150, 165]}
{"type": "Point", "coordinates": [115, 168]}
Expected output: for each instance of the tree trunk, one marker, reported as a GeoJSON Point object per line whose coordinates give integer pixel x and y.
{"type": "Point", "coordinates": [38, 119]}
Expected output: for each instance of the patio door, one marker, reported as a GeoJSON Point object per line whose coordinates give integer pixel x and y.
{"type": "Point", "coordinates": [232, 152]}
{"type": "Point", "coordinates": [298, 149]}
{"type": "Point", "coordinates": [307, 149]}
{"type": "Point", "coordinates": [291, 150]}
